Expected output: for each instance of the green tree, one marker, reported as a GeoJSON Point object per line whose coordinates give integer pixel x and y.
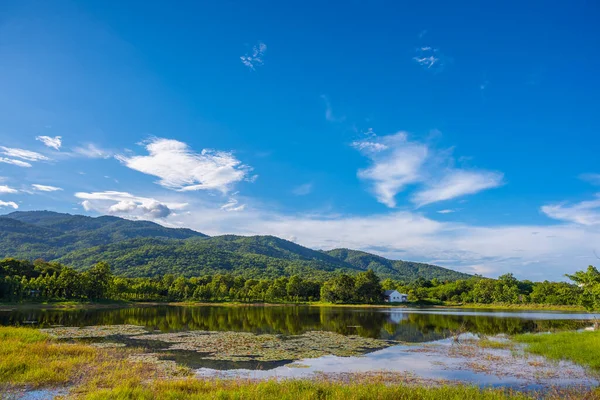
{"type": "Point", "coordinates": [99, 280]}
{"type": "Point", "coordinates": [589, 281]}
{"type": "Point", "coordinates": [368, 287]}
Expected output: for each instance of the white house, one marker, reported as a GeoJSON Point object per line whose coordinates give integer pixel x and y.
{"type": "Point", "coordinates": [392, 296]}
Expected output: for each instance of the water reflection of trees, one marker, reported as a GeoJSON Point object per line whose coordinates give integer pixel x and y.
{"type": "Point", "coordinates": [409, 327]}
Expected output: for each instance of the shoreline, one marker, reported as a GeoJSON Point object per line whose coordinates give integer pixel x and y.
{"type": "Point", "coordinates": [74, 305]}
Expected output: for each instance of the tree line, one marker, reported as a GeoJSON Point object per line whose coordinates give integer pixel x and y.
{"type": "Point", "coordinates": [41, 280]}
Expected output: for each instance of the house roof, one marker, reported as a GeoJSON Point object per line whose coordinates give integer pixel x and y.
{"type": "Point", "coordinates": [388, 292]}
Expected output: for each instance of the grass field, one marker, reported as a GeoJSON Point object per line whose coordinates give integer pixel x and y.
{"type": "Point", "coordinates": [579, 347]}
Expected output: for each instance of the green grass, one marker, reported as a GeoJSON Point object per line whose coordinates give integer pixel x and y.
{"type": "Point", "coordinates": [195, 389]}
{"type": "Point", "coordinates": [28, 357]}
{"type": "Point", "coordinates": [579, 347]}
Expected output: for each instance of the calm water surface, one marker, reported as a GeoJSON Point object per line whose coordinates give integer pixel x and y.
{"type": "Point", "coordinates": [414, 325]}
{"type": "Point", "coordinates": [418, 328]}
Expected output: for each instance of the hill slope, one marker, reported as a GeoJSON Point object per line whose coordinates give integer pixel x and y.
{"type": "Point", "coordinates": [141, 248]}
{"type": "Point", "coordinates": [383, 267]}
{"type": "Point", "coordinates": [49, 235]}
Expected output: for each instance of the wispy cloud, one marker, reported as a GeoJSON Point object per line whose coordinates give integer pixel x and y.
{"type": "Point", "coordinates": [8, 204]}
{"type": "Point", "coordinates": [180, 168]}
{"type": "Point", "coordinates": [446, 211]}
{"type": "Point", "coordinates": [430, 58]}
{"type": "Point", "coordinates": [303, 190]}
{"type": "Point", "coordinates": [583, 213]}
{"type": "Point", "coordinates": [126, 204]}
{"type": "Point", "coordinates": [255, 58]}
{"type": "Point", "coordinates": [456, 183]}
{"type": "Point", "coordinates": [7, 189]}
{"type": "Point", "coordinates": [329, 115]}
{"type": "Point", "coordinates": [53, 142]}
{"type": "Point", "coordinates": [18, 163]}
{"type": "Point", "coordinates": [233, 205]}
{"type": "Point", "coordinates": [594, 179]}
{"type": "Point", "coordinates": [397, 162]}
{"type": "Point", "coordinates": [23, 154]}
{"type": "Point", "coordinates": [45, 188]}
{"type": "Point", "coordinates": [91, 150]}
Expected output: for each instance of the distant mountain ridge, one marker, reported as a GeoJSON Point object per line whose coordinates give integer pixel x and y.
{"type": "Point", "coordinates": [143, 248]}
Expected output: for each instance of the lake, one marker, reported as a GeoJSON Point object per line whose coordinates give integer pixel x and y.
{"type": "Point", "coordinates": [303, 341]}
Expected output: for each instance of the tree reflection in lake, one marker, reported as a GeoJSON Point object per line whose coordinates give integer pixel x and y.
{"type": "Point", "coordinates": [397, 324]}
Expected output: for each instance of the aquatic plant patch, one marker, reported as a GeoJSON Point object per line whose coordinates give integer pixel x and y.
{"type": "Point", "coordinates": [243, 346]}
{"type": "Point", "coordinates": [94, 331]}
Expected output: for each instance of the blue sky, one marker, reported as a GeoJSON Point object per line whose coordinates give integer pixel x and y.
{"type": "Point", "coordinates": [462, 134]}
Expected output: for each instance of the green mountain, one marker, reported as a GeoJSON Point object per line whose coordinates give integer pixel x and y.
{"type": "Point", "coordinates": [409, 270]}
{"type": "Point", "coordinates": [50, 235]}
{"type": "Point", "coordinates": [142, 248]}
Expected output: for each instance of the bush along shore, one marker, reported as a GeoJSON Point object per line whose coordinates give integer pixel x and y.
{"type": "Point", "coordinates": [40, 281]}
{"type": "Point", "coordinates": [32, 360]}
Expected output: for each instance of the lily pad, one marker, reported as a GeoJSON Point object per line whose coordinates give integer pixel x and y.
{"type": "Point", "coordinates": [243, 346]}
{"type": "Point", "coordinates": [94, 331]}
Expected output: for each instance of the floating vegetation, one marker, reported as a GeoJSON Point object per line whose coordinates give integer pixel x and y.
{"type": "Point", "coordinates": [94, 331]}
{"type": "Point", "coordinates": [243, 346]}
{"type": "Point", "coordinates": [297, 365]}
{"type": "Point", "coordinates": [168, 367]}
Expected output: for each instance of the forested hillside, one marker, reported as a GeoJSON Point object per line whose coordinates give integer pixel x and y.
{"type": "Point", "coordinates": [50, 235]}
{"type": "Point", "coordinates": [146, 249]}
{"type": "Point", "coordinates": [384, 267]}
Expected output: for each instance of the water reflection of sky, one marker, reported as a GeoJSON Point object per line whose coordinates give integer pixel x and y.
{"type": "Point", "coordinates": [399, 313]}
{"type": "Point", "coordinates": [429, 366]}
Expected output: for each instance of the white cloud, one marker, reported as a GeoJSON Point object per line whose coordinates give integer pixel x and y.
{"type": "Point", "coordinates": [457, 183]}
{"type": "Point", "coordinates": [9, 204]}
{"type": "Point", "coordinates": [180, 168]}
{"type": "Point", "coordinates": [126, 204]}
{"type": "Point", "coordinates": [367, 146]}
{"type": "Point", "coordinates": [430, 58]}
{"type": "Point", "coordinates": [584, 213]}
{"type": "Point", "coordinates": [7, 189]}
{"type": "Point", "coordinates": [256, 57]}
{"type": "Point", "coordinates": [18, 163]}
{"type": "Point", "coordinates": [23, 154]}
{"type": "Point", "coordinates": [446, 211]}
{"type": "Point", "coordinates": [90, 150]}
{"type": "Point", "coordinates": [411, 236]}
{"type": "Point", "coordinates": [233, 205]}
{"type": "Point", "coordinates": [396, 162]}
{"type": "Point", "coordinates": [53, 142]}
{"type": "Point", "coordinates": [594, 179]}
{"type": "Point", "coordinates": [303, 190]}
{"type": "Point", "coordinates": [45, 188]}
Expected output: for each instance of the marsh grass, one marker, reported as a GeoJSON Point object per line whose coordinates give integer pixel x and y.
{"type": "Point", "coordinates": [487, 343]}
{"type": "Point", "coordinates": [32, 359]}
{"type": "Point", "coordinates": [29, 357]}
{"type": "Point", "coordinates": [194, 389]}
{"type": "Point", "coordinates": [579, 347]}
